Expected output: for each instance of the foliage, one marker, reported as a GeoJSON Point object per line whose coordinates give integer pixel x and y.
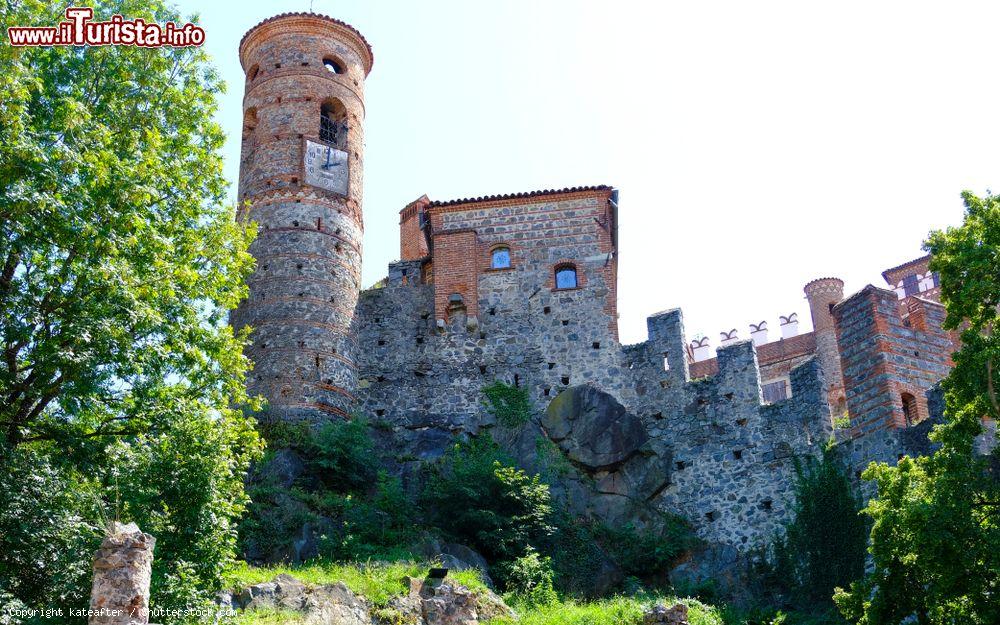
{"type": "Point", "coordinates": [123, 384]}
{"type": "Point", "coordinates": [935, 540]}
{"type": "Point", "coordinates": [47, 519]}
{"type": "Point", "coordinates": [509, 404]}
{"type": "Point", "coordinates": [823, 546]}
{"type": "Point", "coordinates": [185, 487]}
{"type": "Point", "coordinates": [477, 496]}
{"type": "Point", "coordinates": [376, 581]}
{"type": "Point", "coordinates": [529, 577]}
{"type": "Point", "coordinates": [646, 552]}
{"type": "Point", "coordinates": [580, 546]}
{"type": "Point", "coordinates": [771, 616]}
{"type": "Point", "coordinates": [619, 610]}
{"type": "Point", "coordinates": [361, 512]}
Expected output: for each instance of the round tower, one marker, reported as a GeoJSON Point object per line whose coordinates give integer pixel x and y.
{"type": "Point", "coordinates": [300, 181]}
{"type": "Point", "coordinates": [823, 294]}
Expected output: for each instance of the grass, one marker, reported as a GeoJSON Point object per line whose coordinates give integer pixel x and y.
{"type": "Point", "coordinates": [612, 611]}
{"type": "Point", "coordinates": [376, 581]}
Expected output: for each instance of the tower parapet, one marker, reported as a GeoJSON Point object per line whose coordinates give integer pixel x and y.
{"type": "Point", "coordinates": [301, 182]}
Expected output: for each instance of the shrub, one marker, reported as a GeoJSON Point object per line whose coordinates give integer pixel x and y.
{"type": "Point", "coordinates": [509, 404]}
{"type": "Point", "coordinates": [529, 577]}
{"type": "Point", "coordinates": [476, 495]}
{"type": "Point", "coordinates": [824, 545]}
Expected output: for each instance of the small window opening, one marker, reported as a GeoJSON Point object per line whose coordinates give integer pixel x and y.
{"type": "Point", "coordinates": [711, 516]}
{"type": "Point", "coordinates": [767, 504]}
{"type": "Point", "coordinates": [741, 422]}
{"type": "Point", "coordinates": [565, 380]}
{"type": "Point", "coordinates": [379, 412]}
{"type": "Point", "coordinates": [517, 381]}
{"type": "Point", "coordinates": [596, 345]}
{"type": "Point", "coordinates": [565, 322]}
{"type": "Point", "coordinates": [657, 415]}
{"type": "Point", "coordinates": [420, 340]}
{"type": "Point", "coordinates": [680, 465]}
{"type": "Point", "coordinates": [319, 361]}
{"type": "Point", "coordinates": [332, 66]}
{"type": "Point", "coordinates": [737, 454]}
{"type": "Point", "coordinates": [500, 259]}
{"type": "Point", "coordinates": [909, 408]}
{"type": "Point", "coordinates": [546, 310]}
{"type": "Point", "coordinates": [552, 366]}
{"type": "Point", "coordinates": [295, 224]}
{"type": "Point", "coordinates": [566, 277]}
{"type": "Point", "coordinates": [666, 362]}
{"type": "Point", "coordinates": [546, 391]}
{"type": "Point", "coordinates": [319, 223]}
{"type": "Point", "coordinates": [482, 369]}
{"type": "Point", "coordinates": [381, 342]}
{"type": "Point", "coordinates": [252, 74]}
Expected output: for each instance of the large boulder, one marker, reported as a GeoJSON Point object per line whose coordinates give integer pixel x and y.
{"type": "Point", "coordinates": [592, 428]}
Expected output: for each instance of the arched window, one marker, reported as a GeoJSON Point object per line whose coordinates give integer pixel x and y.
{"type": "Point", "coordinates": [566, 277]}
{"type": "Point", "coordinates": [909, 408]}
{"type": "Point", "coordinates": [332, 65]}
{"type": "Point", "coordinates": [252, 74]}
{"type": "Point", "coordinates": [333, 123]}
{"type": "Point", "coordinates": [500, 258]}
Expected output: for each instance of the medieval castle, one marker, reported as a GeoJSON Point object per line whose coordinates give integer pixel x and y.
{"type": "Point", "coordinates": [522, 288]}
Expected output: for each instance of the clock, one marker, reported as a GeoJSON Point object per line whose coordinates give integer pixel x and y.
{"type": "Point", "coordinates": [326, 167]}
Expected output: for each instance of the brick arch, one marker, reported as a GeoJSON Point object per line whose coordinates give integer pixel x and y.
{"type": "Point", "coordinates": [581, 279]}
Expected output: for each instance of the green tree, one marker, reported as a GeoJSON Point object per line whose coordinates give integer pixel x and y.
{"type": "Point", "coordinates": [824, 545]}
{"type": "Point", "coordinates": [477, 495]}
{"type": "Point", "coordinates": [118, 262]}
{"type": "Point", "coordinates": [935, 542]}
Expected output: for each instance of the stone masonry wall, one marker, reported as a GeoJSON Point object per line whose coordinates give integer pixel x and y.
{"type": "Point", "coordinates": [722, 458]}
{"type": "Point", "coordinates": [304, 289]}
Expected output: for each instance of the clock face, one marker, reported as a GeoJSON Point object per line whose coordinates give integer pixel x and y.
{"type": "Point", "coordinates": [326, 167]}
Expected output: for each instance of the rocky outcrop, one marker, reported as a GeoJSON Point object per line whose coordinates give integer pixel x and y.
{"type": "Point", "coordinates": [660, 614]}
{"type": "Point", "coordinates": [610, 445]}
{"type": "Point", "coordinates": [427, 602]}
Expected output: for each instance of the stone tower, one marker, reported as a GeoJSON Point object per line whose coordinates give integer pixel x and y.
{"type": "Point", "coordinates": [300, 181]}
{"type": "Point", "coordinates": [822, 294]}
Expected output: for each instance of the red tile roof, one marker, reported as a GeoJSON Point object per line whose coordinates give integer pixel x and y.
{"type": "Point", "coordinates": [526, 194]}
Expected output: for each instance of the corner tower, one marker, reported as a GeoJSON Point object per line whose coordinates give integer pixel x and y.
{"type": "Point", "coordinates": [300, 181]}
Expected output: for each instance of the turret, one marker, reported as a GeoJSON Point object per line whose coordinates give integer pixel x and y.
{"type": "Point", "coordinates": [823, 294]}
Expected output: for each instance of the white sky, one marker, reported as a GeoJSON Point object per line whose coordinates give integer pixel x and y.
{"type": "Point", "coordinates": [756, 145]}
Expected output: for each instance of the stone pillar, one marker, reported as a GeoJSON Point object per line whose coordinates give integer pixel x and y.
{"type": "Point", "coordinates": [122, 569]}
{"type": "Point", "coordinates": [823, 294]}
{"type": "Point", "coordinates": [301, 181]}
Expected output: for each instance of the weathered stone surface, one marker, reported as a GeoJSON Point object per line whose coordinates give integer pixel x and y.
{"type": "Point", "coordinates": [592, 427]}
{"type": "Point", "coordinates": [122, 569]}
{"type": "Point", "coordinates": [425, 603]}
{"type": "Point", "coordinates": [660, 614]}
